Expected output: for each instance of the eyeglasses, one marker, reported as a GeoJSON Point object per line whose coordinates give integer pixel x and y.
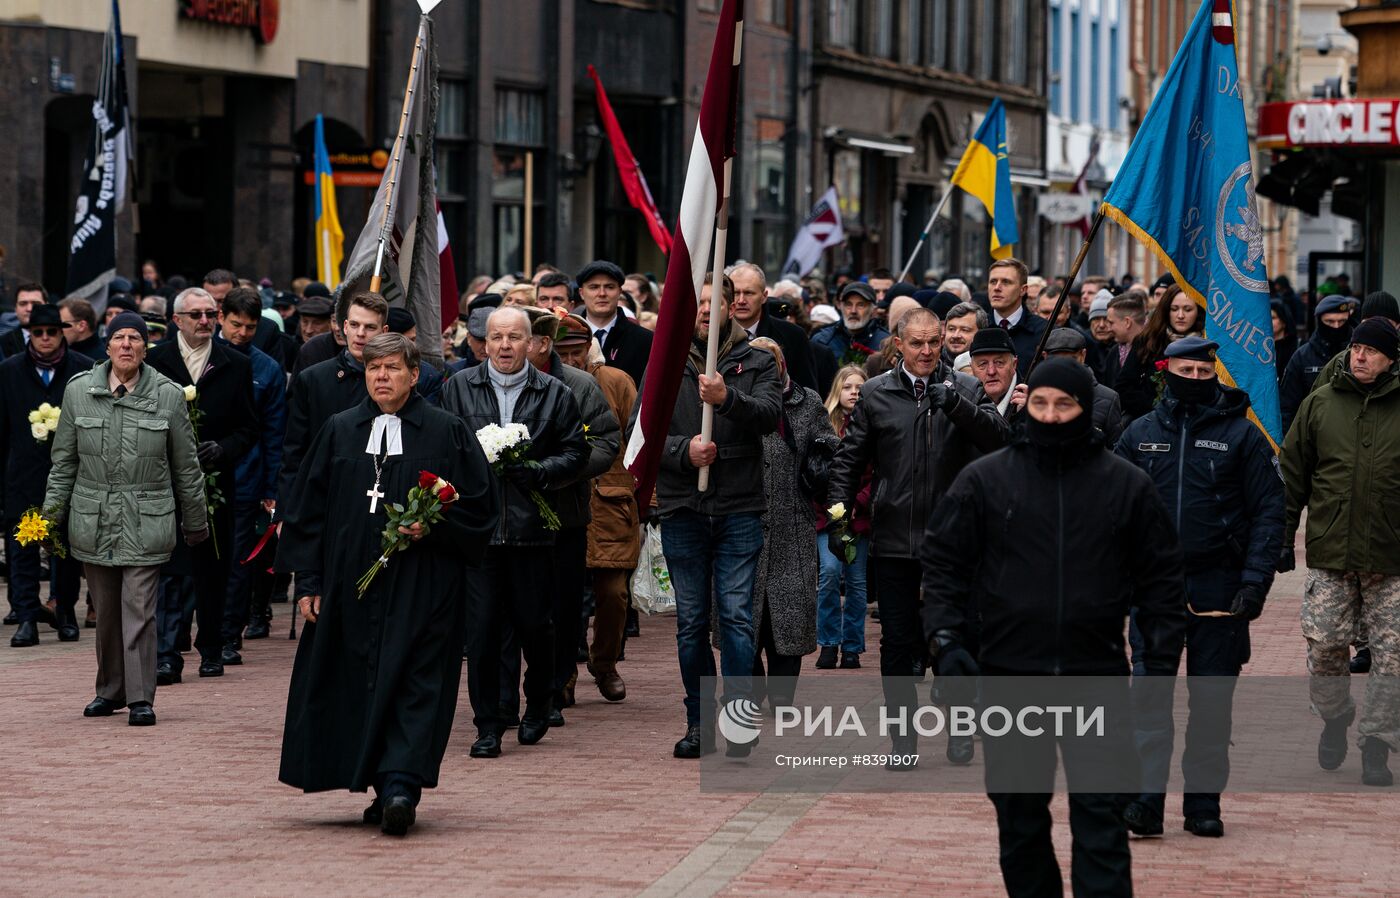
{"type": "Point", "coordinates": [211, 315]}
{"type": "Point", "coordinates": [44, 332]}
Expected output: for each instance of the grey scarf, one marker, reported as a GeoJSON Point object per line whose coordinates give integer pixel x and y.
{"type": "Point", "coordinates": [508, 388]}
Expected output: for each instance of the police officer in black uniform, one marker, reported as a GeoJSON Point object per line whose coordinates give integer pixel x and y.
{"type": "Point", "coordinates": [1218, 477]}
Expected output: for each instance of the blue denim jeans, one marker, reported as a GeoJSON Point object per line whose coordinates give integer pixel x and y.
{"type": "Point", "coordinates": [713, 560]}
{"type": "Point", "coordinates": [838, 625]}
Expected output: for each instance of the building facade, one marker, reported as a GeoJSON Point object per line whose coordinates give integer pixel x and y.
{"type": "Point", "coordinates": [220, 112]}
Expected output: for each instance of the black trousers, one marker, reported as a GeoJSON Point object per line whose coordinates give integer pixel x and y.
{"type": "Point", "coordinates": [65, 575]}
{"type": "Point", "coordinates": [784, 667]}
{"type": "Point", "coordinates": [570, 571]}
{"type": "Point", "coordinates": [903, 649]}
{"type": "Point", "coordinates": [240, 575]}
{"type": "Point", "coordinates": [398, 782]}
{"type": "Point", "coordinates": [1100, 864]}
{"type": "Point", "coordinates": [175, 604]}
{"type": "Point", "coordinates": [510, 586]}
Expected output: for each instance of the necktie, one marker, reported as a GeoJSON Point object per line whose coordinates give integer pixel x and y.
{"type": "Point", "coordinates": [919, 387]}
{"type": "Point", "coordinates": [1005, 324]}
{"type": "Point", "coordinates": [602, 336]}
{"type": "Point", "coordinates": [121, 390]}
{"type": "Point", "coordinates": [47, 375]}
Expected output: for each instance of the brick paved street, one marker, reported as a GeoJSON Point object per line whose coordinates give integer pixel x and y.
{"type": "Point", "coordinates": [192, 806]}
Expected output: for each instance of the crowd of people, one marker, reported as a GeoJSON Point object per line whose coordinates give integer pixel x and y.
{"type": "Point", "coordinates": [1017, 476]}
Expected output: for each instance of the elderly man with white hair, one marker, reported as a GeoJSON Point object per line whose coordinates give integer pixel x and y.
{"type": "Point", "coordinates": [515, 580]}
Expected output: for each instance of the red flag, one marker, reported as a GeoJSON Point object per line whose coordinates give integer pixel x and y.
{"type": "Point", "coordinates": [633, 181]}
{"type": "Point", "coordinates": [1081, 187]}
{"type": "Point", "coordinates": [690, 251]}
{"type": "Point", "coordinates": [448, 274]}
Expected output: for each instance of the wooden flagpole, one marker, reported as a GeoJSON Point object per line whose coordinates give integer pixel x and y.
{"type": "Point", "coordinates": [707, 411]}
{"type": "Point", "coordinates": [386, 217]}
{"type": "Point", "coordinates": [1064, 294]}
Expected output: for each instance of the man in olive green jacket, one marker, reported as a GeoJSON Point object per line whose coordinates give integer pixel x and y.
{"type": "Point", "coordinates": [1341, 460]}
{"type": "Point", "coordinates": [123, 453]}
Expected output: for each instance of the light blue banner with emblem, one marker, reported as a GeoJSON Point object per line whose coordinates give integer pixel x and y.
{"type": "Point", "coordinates": [1186, 191]}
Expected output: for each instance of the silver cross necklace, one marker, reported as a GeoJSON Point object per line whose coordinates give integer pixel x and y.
{"type": "Point", "coordinates": [373, 492]}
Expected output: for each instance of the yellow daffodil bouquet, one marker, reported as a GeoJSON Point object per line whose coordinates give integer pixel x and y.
{"type": "Point", "coordinates": [37, 526]}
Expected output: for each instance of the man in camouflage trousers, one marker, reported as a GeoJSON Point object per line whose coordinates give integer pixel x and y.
{"type": "Point", "coordinates": [1341, 460]}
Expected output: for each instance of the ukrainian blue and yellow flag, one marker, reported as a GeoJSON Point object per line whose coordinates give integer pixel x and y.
{"type": "Point", "coordinates": [330, 240]}
{"type": "Point", "coordinates": [1186, 191]}
{"type": "Point", "coordinates": [985, 172]}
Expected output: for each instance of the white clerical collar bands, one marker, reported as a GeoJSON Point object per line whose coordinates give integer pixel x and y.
{"type": "Point", "coordinates": [386, 436]}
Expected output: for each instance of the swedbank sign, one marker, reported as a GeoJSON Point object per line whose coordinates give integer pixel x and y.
{"type": "Point", "coordinates": [259, 15]}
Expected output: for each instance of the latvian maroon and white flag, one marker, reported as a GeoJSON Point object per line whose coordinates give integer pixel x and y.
{"type": "Point", "coordinates": [690, 250]}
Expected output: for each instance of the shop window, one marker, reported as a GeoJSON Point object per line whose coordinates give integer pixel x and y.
{"type": "Point", "coordinates": [769, 203]}
{"type": "Point", "coordinates": [519, 139]}
{"type": "Point", "coordinates": [519, 117]}
{"type": "Point", "coordinates": [450, 154]}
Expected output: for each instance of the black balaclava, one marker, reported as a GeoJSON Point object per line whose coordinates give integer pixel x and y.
{"type": "Point", "coordinates": [1075, 379]}
{"type": "Point", "coordinates": [1191, 391]}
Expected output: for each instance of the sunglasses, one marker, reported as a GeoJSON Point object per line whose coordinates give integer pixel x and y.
{"type": "Point", "coordinates": [45, 332]}
{"type": "Point", "coordinates": [211, 315]}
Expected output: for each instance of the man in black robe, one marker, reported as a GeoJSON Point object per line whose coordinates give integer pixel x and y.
{"type": "Point", "coordinates": [374, 685]}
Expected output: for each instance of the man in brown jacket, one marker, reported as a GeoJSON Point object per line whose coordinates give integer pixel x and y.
{"type": "Point", "coordinates": [614, 535]}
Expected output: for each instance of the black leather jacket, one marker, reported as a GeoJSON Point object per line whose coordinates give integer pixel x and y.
{"type": "Point", "coordinates": [916, 452]}
{"type": "Point", "coordinates": [548, 409]}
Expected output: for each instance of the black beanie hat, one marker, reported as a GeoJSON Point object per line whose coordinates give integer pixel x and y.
{"type": "Point", "coordinates": [1380, 305]}
{"type": "Point", "coordinates": [129, 320]}
{"type": "Point", "coordinates": [1378, 334]}
{"type": "Point", "coordinates": [1068, 375]}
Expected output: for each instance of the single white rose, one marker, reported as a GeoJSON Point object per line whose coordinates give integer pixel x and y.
{"type": "Point", "coordinates": [52, 418]}
{"type": "Point", "coordinates": [36, 417]}
{"type": "Point", "coordinates": [837, 511]}
{"type": "Point", "coordinates": [39, 431]}
{"type": "Point", "coordinates": [190, 393]}
{"type": "Point", "coordinates": [45, 409]}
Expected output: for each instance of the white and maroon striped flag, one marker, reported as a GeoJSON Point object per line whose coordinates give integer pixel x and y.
{"type": "Point", "coordinates": [690, 250]}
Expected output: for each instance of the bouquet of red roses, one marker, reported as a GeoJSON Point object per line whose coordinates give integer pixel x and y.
{"type": "Point", "coordinates": [426, 505]}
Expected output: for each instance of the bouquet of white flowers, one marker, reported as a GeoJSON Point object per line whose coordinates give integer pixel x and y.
{"type": "Point", "coordinates": [43, 421]}
{"type": "Point", "coordinates": [509, 445]}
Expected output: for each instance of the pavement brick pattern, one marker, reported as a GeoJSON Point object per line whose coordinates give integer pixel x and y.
{"type": "Point", "coordinates": [192, 806]}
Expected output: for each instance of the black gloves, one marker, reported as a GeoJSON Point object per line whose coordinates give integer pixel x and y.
{"type": "Point", "coordinates": [1286, 559]}
{"type": "Point", "coordinates": [210, 453]}
{"type": "Point", "coordinates": [834, 545]}
{"type": "Point", "coordinates": [195, 537]}
{"type": "Point", "coordinates": [942, 396]}
{"type": "Point", "coordinates": [525, 477]}
{"type": "Point", "coordinates": [1249, 602]}
{"type": "Point", "coordinates": [951, 659]}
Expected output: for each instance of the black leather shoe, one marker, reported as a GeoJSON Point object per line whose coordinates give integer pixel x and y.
{"type": "Point", "coordinates": [487, 745]}
{"type": "Point", "coordinates": [850, 660]}
{"type": "Point", "coordinates": [11, 619]}
{"type": "Point", "coordinates": [166, 674]}
{"type": "Point", "coordinates": [374, 813]}
{"type": "Point", "coordinates": [533, 726]}
{"type": "Point", "coordinates": [961, 750]}
{"type": "Point", "coordinates": [1375, 763]}
{"type": "Point", "coordinates": [740, 750]}
{"type": "Point", "coordinates": [101, 707]}
{"type": "Point", "coordinates": [26, 634]}
{"type": "Point", "coordinates": [556, 717]}
{"type": "Point", "coordinates": [142, 715]}
{"type": "Point", "coordinates": [1332, 744]}
{"type": "Point", "coordinates": [633, 628]}
{"type": "Point", "coordinates": [230, 657]}
{"type": "Point", "coordinates": [904, 754]}
{"type": "Point", "coordinates": [398, 815]}
{"type": "Point", "coordinates": [67, 625]}
{"type": "Point", "coordinates": [209, 668]}
{"type": "Point", "coordinates": [1361, 663]}
{"type": "Point", "coordinates": [1210, 827]}
{"type": "Point", "coordinates": [826, 659]}
{"type": "Point", "coordinates": [697, 741]}
{"type": "Point", "coordinates": [1141, 820]}
{"type": "Point", "coordinates": [258, 629]}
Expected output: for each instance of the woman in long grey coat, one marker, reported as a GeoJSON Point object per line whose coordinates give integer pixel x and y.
{"type": "Point", "coordinates": [785, 589]}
